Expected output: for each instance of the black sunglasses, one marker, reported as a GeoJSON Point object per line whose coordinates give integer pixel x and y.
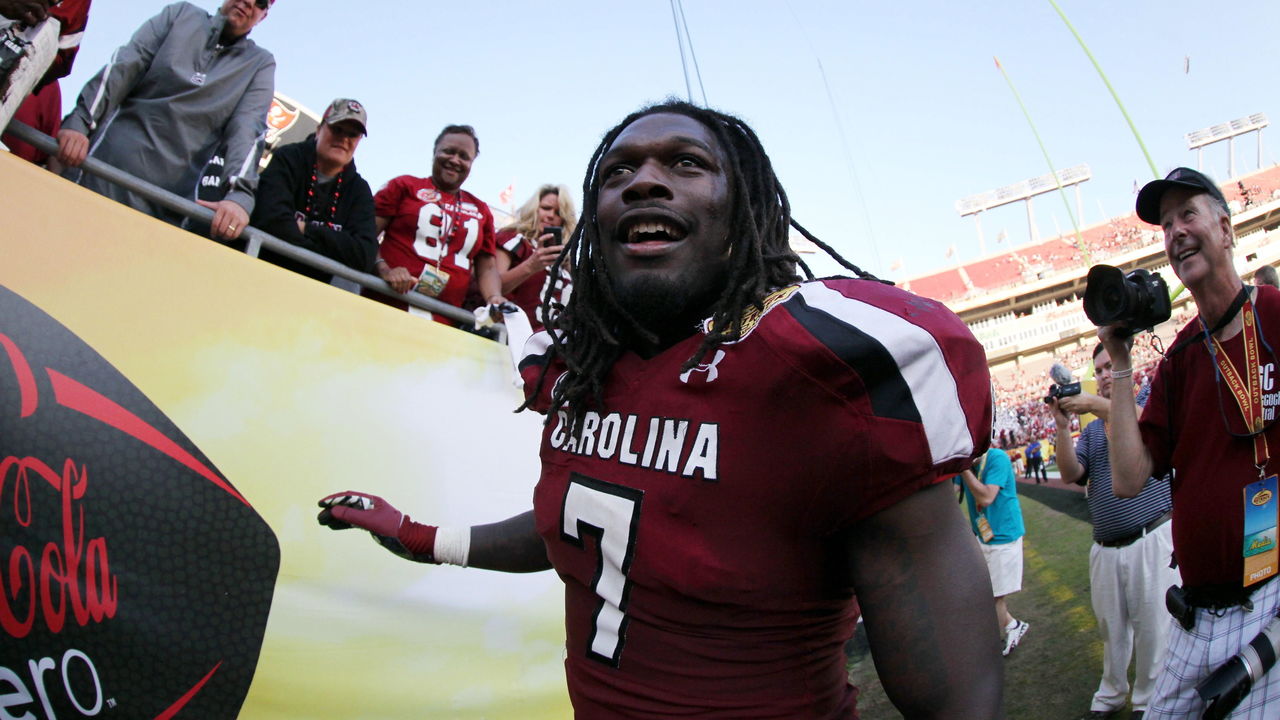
{"type": "Point", "coordinates": [262, 4]}
{"type": "Point", "coordinates": [343, 132]}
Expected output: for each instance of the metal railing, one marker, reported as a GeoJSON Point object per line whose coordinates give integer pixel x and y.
{"type": "Point", "coordinates": [256, 239]}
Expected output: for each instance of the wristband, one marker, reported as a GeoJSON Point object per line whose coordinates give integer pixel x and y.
{"type": "Point", "coordinates": [1117, 374]}
{"type": "Point", "coordinates": [453, 545]}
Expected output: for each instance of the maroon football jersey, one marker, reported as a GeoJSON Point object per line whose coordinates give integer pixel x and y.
{"type": "Point", "coordinates": [528, 294]}
{"type": "Point", "coordinates": [440, 232]}
{"type": "Point", "coordinates": [692, 518]}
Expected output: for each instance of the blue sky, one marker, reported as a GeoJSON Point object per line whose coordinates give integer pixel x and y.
{"type": "Point", "coordinates": [918, 102]}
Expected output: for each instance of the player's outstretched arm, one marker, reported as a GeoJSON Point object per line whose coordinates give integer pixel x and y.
{"type": "Point", "coordinates": [926, 602]}
{"type": "Point", "coordinates": [512, 545]}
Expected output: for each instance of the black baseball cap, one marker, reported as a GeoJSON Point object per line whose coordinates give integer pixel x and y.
{"type": "Point", "coordinates": [1151, 194]}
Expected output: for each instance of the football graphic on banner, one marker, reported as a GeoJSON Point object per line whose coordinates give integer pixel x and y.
{"type": "Point", "coordinates": [135, 580]}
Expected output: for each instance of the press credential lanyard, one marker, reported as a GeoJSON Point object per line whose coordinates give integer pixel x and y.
{"type": "Point", "coordinates": [1261, 553]}
{"type": "Point", "coordinates": [1247, 390]}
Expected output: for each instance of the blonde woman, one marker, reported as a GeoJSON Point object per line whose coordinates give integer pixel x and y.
{"type": "Point", "coordinates": [529, 247]}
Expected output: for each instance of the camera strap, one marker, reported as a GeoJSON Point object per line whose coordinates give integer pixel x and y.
{"type": "Point", "coordinates": [1232, 309]}
{"type": "Point", "coordinates": [1222, 322]}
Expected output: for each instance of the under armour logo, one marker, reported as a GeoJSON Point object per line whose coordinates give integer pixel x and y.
{"type": "Point", "coordinates": [708, 368]}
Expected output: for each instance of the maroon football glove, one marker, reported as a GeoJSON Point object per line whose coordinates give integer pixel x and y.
{"type": "Point", "coordinates": [390, 528]}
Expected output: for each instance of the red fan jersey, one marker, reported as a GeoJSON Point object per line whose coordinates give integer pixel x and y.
{"type": "Point", "coordinates": [528, 295]}
{"type": "Point", "coordinates": [434, 235]}
{"type": "Point", "coordinates": [692, 519]}
{"type": "Point", "coordinates": [42, 109]}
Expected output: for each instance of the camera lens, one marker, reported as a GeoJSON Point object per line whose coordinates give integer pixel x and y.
{"type": "Point", "coordinates": [1113, 298]}
{"type": "Point", "coordinates": [1106, 295]}
{"type": "Point", "coordinates": [1139, 300]}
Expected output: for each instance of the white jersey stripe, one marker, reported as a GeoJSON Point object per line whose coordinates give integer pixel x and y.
{"type": "Point", "coordinates": [920, 362]}
{"type": "Point", "coordinates": [537, 345]}
{"type": "Point", "coordinates": [69, 41]}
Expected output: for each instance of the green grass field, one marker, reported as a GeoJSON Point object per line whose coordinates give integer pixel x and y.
{"type": "Point", "coordinates": [1054, 672]}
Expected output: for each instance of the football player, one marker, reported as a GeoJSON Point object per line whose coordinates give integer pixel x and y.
{"type": "Point", "coordinates": [731, 454]}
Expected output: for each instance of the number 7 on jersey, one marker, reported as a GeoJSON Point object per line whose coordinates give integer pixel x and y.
{"type": "Point", "coordinates": [611, 514]}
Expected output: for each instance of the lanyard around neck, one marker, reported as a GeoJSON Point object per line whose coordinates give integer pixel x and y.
{"type": "Point", "coordinates": [1246, 386]}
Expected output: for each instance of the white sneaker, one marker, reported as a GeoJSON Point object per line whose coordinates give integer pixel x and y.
{"type": "Point", "coordinates": [1014, 636]}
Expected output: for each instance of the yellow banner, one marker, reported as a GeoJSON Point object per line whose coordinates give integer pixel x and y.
{"type": "Point", "coordinates": [291, 389]}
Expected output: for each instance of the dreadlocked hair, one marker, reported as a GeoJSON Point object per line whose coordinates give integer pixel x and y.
{"type": "Point", "coordinates": [585, 332]}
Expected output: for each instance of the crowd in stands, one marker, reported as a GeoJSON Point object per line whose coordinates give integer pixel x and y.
{"type": "Point", "coordinates": [1262, 188]}
{"type": "Point", "coordinates": [1021, 414]}
{"type": "Point", "coordinates": [1121, 235]}
{"type": "Point", "coordinates": [1097, 243]}
{"type": "Point", "coordinates": [190, 92]}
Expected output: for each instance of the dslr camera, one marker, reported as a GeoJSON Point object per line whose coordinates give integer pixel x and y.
{"type": "Point", "coordinates": [1135, 301]}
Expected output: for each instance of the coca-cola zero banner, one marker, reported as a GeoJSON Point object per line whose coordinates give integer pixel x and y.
{"type": "Point", "coordinates": [135, 580]}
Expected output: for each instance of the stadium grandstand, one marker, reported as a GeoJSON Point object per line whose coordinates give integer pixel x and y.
{"type": "Point", "coordinates": [1024, 304]}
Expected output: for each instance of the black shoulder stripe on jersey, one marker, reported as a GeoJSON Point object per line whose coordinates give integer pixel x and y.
{"type": "Point", "coordinates": [537, 351]}
{"type": "Point", "coordinates": [890, 395]}
{"type": "Point", "coordinates": [534, 361]}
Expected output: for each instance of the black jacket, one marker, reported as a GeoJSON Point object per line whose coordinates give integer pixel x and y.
{"type": "Point", "coordinates": [282, 192]}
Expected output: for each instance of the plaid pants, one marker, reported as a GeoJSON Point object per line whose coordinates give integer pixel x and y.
{"type": "Point", "coordinates": [1214, 640]}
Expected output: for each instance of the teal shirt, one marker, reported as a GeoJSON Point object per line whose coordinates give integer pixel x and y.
{"type": "Point", "coordinates": [1005, 514]}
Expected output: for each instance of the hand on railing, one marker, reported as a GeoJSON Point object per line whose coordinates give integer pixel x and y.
{"type": "Point", "coordinates": [229, 219]}
{"type": "Point", "coordinates": [400, 279]}
{"type": "Point", "coordinates": [73, 147]}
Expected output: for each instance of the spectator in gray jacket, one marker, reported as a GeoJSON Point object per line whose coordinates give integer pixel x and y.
{"type": "Point", "coordinates": [185, 83]}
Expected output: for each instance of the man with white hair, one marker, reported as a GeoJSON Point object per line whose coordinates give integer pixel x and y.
{"type": "Point", "coordinates": [185, 83]}
{"type": "Point", "coordinates": [1211, 419]}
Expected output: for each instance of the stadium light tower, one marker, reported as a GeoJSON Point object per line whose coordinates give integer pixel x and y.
{"type": "Point", "coordinates": [1023, 190]}
{"type": "Point", "coordinates": [1198, 139]}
